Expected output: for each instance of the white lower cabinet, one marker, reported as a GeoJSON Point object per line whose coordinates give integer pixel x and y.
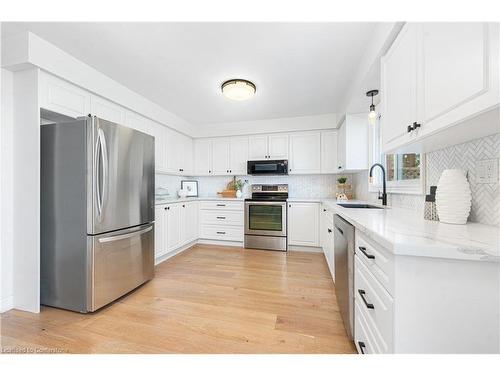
{"type": "Point", "coordinates": [326, 238]}
{"type": "Point", "coordinates": [303, 224]}
{"type": "Point", "coordinates": [221, 220]}
{"type": "Point", "coordinates": [176, 225]}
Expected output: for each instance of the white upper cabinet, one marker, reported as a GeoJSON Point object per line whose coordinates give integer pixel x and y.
{"type": "Point", "coordinates": [62, 97]}
{"type": "Point", "coordinates": [329, 162]}
{"type": "Point", "coordinates": [179, 153]}
{"type": "Point", "coordinates": [239, 155]}
{"type": "Point", "coordinates": [274, 146]}
{"type": "Point", "coordinates": [352, 150]}
{"type": "Point", "coordinates": [221, 154]}
{"type": "Point", "coordinates": [137, 122]}
{"type": "Point", "coordinates": [278, 146]}
{"type": "Point", "coordinates": [107, 110]}
{"type": "Point", "coordinates": [257, 147]}
{"type": "Point", "coordinates": [399, 86]}
{"type": "Point", "coordinates": [437, 75]}
{"type": "Point", "coordinates": [159, 132]}
{"type": "Point", "coordinates": [305, 152]}
{"type": "Point", "coordinates": [203, 157]}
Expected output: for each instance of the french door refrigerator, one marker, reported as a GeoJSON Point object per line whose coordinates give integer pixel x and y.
{"type": "Point", "coordinates": [97, 212]}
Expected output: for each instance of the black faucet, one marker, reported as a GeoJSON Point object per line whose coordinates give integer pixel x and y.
{"type": "Point", "coordinates": [384, 192]}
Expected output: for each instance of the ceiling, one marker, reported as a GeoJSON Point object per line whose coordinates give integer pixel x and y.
{"type": "Point", "coordinates": [299, 69]}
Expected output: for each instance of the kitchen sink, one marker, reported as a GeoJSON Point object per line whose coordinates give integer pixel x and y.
{"type": "Point", "coordinates": [358, 205]}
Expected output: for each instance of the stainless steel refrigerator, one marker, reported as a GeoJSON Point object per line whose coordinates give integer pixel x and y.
{"type": "Point", "coordinates": [97, 212]}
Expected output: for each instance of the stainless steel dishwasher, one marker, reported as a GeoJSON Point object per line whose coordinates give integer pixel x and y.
{"type": "Point", "coordinates": [344, 271]}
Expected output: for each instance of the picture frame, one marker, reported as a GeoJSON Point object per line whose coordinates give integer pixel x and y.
{"type": "Point", "coordinates": [191, 186]}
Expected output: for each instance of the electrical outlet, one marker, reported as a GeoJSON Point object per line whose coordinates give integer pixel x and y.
{"type": "Point", "coordinates": [487, 171]}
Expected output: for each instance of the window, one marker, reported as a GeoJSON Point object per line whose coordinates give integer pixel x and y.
{"type": "Point", "coordinates": [404, 172]}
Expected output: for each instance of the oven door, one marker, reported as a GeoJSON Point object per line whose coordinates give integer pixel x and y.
{"type": "Point", "coordinates": [265, 218]}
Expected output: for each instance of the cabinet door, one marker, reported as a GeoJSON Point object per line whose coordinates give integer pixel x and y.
{"type": "Point", "coordinates": [305, 154]}
{"type": "Point", "coordinates": [278, 146]}
{"type": "Point", "coordinates": [62, 97]}
{"type": "Point", "coordinates": [220, 156]}
{"type": "Point", "coordinates": [454, 66]}
{"type": "Point", "coordinates": [329, 151]}
{"type": "Point", "coordinates": [107, 110]}
{"type": "Point", "coordinates": [173, 226]}
{"type": "Point", "coordinates": [341, 147]}
{"type": "Point", "coordinates": [174, 151]}
{"type": "Point", "coordinates": [202, 157]}
{"type": "Point", "coordinates": [190, 221]}
{"type": "Point", "coordinates": [303, 224]}
{"type": "Point", "coordinates": [137, 122]}
{"type": "Point", "coordinates": [160, 228]}
{"type": "Point", "coordinates": [399, 86]}
{"type": "Point", "coordinates": [159, 132]}
{"type": "Point", "coordinates": [257, 147]}
{"type": "Point", "coordinates": [239, 155]}
{"type": "Point", "coordinates": [187, 155]}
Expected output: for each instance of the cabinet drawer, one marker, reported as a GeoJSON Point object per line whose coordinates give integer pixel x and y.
{"type": "Point", "coordinates": [221, 232]}
{"type": "Point", "coordinates": [378, 260]}
{"type": "Point", "coordinates": [363, 335]}
{"type": "Point", "coordinates": [221, 205]}
{"type": "Point", "coordinates": [376, 303]}
{"type": "Point", "coordinates": [219, 217]}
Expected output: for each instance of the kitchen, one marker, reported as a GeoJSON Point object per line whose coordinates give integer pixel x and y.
{"type": "Point", "coordinates": [227, 208]}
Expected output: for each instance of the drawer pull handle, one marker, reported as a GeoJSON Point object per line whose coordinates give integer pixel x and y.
{"type": "Point", "coordinates": [329, 230]}
{"type": "Point", "coordinates": [221, 217]}
{"type": "Point", "coordinates": [363, 250]}
{"type": "Point", "coordinates": [221, 205]}
{"type": "Point", "coordinates": [367, 304]}
{"type": "Point", "coordinates": [362, 346]}
{"type": "Point", "coordinates": [221, 232]}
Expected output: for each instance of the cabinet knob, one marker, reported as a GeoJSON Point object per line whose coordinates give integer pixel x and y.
{"type": "Point", "coordinates": [183, 205]}
{"type": "Point", "coordinates": [416, 125]}
{"type": "Point", "coordinates": [409, 128]}
{"type": "Point", "coordinates": [339, 167]}
{"type": "Point", "coordinates": [329, 230]}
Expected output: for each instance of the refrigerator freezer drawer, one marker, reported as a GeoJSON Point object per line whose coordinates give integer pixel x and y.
{"type": "Point", "coordinates": [121, 261]}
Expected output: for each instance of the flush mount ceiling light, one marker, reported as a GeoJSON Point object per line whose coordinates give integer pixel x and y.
{"type": "Point", "coordinates": [238, 89]}
{"type": "Point", "coordinates": [372, 116]}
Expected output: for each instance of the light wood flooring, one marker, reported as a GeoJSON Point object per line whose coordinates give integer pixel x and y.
{"type": "Point", "coordinates": [208, 299]}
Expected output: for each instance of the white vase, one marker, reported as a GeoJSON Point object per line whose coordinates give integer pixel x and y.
{"type": "Point", "coordinates": [453, 197]}
{"type": "Point", "coordinates": [239, 194]}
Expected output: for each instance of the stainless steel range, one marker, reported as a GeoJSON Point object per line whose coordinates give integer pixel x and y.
{"type": "Point", "coordinates": [265, 217]}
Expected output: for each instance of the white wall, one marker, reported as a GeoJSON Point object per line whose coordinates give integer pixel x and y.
{"type": "Point", "coordinates": [285, 124]}
{"type": "Point", "coordinates": [6, 192]}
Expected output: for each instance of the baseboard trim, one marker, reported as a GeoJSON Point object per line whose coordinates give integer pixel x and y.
{"type": "Point", "coordinates": [309, 249]}
{"type": "Point", "coordinates": [220, 243]}
{"type": "Point", "coordinates": [6, 304]}
{"type": "Point", "coordinates": [173, 253]}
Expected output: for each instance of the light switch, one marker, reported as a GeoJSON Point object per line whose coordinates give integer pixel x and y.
{"type": "Point", "coordinates": [487, 171]}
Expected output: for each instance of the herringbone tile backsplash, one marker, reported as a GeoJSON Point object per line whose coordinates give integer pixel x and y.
{"type": "Point", "coordinates": [485, 197]}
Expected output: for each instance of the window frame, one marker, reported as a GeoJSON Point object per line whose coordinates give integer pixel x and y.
{"type": "Point", "coordinates": [411, 187]}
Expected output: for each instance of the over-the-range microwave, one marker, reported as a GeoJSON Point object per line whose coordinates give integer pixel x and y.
{"type": "Point", "coordinates": [267, 167]}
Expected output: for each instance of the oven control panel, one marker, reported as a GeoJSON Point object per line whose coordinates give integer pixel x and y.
{"type": "Point", "coordinates": [277, 188]}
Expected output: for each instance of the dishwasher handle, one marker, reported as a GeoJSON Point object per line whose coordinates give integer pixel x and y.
{"type": "Point", "coordinates": [340, 230]}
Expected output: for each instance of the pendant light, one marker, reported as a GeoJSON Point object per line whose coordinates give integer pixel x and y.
{"type": "Point", "coordinates": [238, 89]}
{"type": "Point", "coordinates": [372, 116]}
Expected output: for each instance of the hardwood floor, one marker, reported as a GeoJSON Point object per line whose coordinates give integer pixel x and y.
{"type": "Point", "coordinates": [208, 299]}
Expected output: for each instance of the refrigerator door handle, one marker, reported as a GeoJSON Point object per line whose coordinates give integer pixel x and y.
{"type": "Point", "coordinates": [125, 236]}
{"type": "Point", "coordinates": [97, 179]}
{"type": "Point", "coordinates": [105, 168]}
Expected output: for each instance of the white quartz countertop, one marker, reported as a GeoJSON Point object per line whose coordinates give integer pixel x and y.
{"type": "Point", "coordinates": [171, 200]}
{"type": "Point", "coordinates": [406, 232]}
